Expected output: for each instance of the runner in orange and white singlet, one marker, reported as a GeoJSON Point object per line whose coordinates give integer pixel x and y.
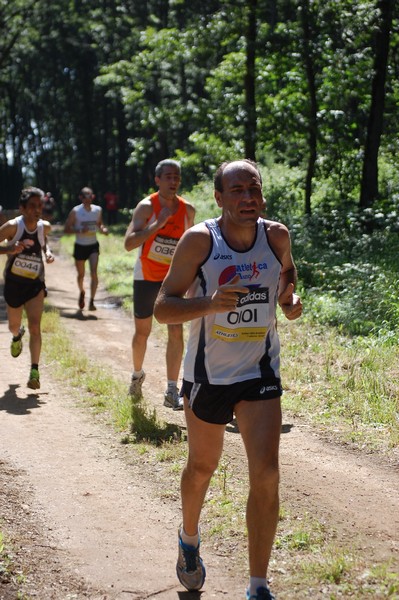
{"type": "Point", "coordinates": [158, 222]}
{"type": "Point", "coordinates": [157, 251]}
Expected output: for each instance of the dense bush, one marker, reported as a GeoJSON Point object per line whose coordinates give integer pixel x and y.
{"type": "Point", "coordinates": [347, 260]}
{"type": "Point", "coordinates": [348, 269]}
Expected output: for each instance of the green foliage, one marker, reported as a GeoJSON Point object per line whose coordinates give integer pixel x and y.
{"type": "Point", "coordinates": [331, 566]}
{"type": "Point", "coordinates": [303, 534]}
{"type": "Point", "coordinates": [348, 267]}
{"type": "Point", "coordinates": [11, 576]}
{"type": "Point", "coordinates": [283, 191]}
{"type": "Point", "coordinates": [349, 383]}
{"type": "Point", "coordinates": [203, 199]}
{"type": "Point", "coordinates": [98, 94]}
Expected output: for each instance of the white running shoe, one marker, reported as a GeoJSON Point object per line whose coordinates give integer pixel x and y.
{"type": "Point", "coordinates": [172, 399]}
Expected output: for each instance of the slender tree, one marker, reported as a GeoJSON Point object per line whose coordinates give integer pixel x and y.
{"type": "Point", "coordinates": [249, 84]}
{"type": "Point", "coordinates": [369, 183]}
{"type": "Point", "coordinates": [308, 57]}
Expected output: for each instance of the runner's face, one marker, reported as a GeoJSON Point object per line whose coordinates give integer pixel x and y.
{"type": "Point", "coordinates": [87, 199]}
{"type": "Point", "coordinates": [242, 198]}
{"type": "Point", "coordinates": [169, 182]}
{"type": "Point", "coordinates": [33, 209]}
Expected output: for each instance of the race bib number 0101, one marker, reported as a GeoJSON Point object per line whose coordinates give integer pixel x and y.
{"type": "Point", "coordinates": [248, 323]}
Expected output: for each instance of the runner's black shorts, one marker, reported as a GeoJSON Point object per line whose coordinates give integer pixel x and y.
{"type": "Point", "coordinates": [144, 295]}
{"type": "Point", "coordinates": [81, 252]}
{"type": "Point", "coordinates": [17, 293]}
{"type": "Point", "coordinates": [215, 403]}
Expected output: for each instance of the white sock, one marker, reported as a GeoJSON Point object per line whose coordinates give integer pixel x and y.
{"type": "Point", "coordinates": [172, 384]}
{"type": "Point", "coordinates": [255, 583]}
{"type": "Point", "coordinates": [137, 374]}
{"type": "Point", "coordinates": [189, 540]}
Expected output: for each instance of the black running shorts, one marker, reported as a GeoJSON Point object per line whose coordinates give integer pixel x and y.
{"type": "Point", "coordinates": [17, 293]}
{"type": "Point", "coordinates": [215, 403]}
{"type": "Point", "coordinates": [144, 295]}
{"type": "Point", "coordinates": [81, 252]}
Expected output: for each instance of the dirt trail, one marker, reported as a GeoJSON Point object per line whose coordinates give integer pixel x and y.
{"type": "Point", "coordinates": [94, 516]}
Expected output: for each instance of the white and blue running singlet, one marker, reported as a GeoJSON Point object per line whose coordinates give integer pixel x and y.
{"type": "Point", "coordinates": [87, 219]}
{"type": "Point", "coordinates": [242, 344]}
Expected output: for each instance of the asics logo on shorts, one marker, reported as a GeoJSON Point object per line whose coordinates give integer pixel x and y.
{"type": "Point", "coordinates": [268, 388]}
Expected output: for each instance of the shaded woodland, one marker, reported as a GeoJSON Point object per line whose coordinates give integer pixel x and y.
{"type": "Point", "coordinates": [97, 92]}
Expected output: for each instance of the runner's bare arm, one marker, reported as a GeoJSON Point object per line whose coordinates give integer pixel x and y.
{"type": "Point", "coordinates": [49, 256]}
{"type": "Point", "coordinates": [139, 231]}
{"type": "Point", "coordinates": [100, 225]}
{"type": "Point", "coordinates": [171, 306]}
{"type": "Point", "coordinates": [289, 302]}
{"type": "Point", "coordinates": [70, 223]}
{"type": "Point", "coordinates": [7, 232]}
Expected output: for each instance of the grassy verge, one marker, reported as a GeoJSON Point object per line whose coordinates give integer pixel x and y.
{"type": "Point", "coordinates": [308, 556]}
{"type": "Point", "coordinates": [331, 379]}
{"type": "Point", "coordinates": [346, 384]}
{"type": "Point", "coordinates": [10, 574]}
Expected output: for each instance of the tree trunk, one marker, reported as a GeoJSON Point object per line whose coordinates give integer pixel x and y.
{"type": "Point", "coordinates": [369, 183]}
{"type": "Point", "coordinates": [312, 123]}
{"type": "Point", "coordinates": [250, 102]}
{"type": "Point", "coordinates": [123, 179]}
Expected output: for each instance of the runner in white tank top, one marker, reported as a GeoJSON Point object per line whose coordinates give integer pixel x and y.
{"type": "Point", "coordinates": [234, 270]}
{"type": "Point", "coordinates": [85, 220]}
{"type": "Point", "coordinates": [86, 223]}
{"type": "Point", "coordinates": [249, 331]}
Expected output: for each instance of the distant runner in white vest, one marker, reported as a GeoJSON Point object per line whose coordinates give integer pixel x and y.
{"type": "Point", "coordinates": [24, 285]}
{"type": "Point", "coordinates": [227, 276]}
{"type": "Point", "coordinates": [84, 221]}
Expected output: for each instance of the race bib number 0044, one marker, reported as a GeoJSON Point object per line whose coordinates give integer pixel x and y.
{"type": "Point", "coordinates": [26, 266]}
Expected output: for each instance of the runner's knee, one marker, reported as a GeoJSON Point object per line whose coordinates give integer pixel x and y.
{"type": "Point", "coordinates": [201, 469]}
{"type": "Point", "coordinates": [34, 328]}
{"type": "Point", "coordinates": [264, 479]}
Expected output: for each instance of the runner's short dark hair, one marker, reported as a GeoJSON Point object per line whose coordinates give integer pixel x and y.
{"type": "Point", "coordinates": [29, 192]}
{"type": "Point", "coordinates": [168, 162]}
{"type": "Point", "coordinates": [218, 178]}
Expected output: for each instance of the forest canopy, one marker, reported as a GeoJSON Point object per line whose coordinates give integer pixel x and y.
{"type": "Point", "coordinates": [97, 92]}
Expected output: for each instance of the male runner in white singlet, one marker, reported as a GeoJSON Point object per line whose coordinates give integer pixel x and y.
{"type": "Point", "coordinates": [84, 221]}
{"type": "Point", "coordinates": [226, 277]}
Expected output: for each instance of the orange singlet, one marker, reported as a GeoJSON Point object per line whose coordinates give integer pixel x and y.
{"type": "Point", "coordinates": [156, 253]}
